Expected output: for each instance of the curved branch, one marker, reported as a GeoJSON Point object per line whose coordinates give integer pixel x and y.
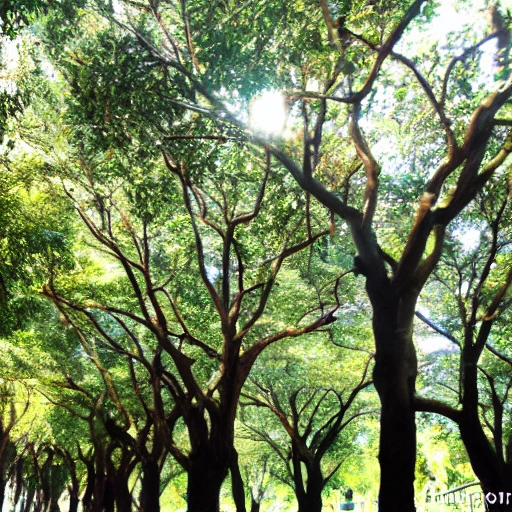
{"type": "Point", "coordinates": [460, 58]}
{"type": "Point", "coordinates": [372, 169]}
{"type": "Point", "coordinates": [437, 407]}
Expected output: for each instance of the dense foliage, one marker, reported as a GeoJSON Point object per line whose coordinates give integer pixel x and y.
{"type": "Point", "coordinates": [205, 300]}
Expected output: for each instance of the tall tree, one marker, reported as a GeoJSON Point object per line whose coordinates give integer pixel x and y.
{"type": "Point", "coordinates": [475, 320]}
{"type": "Point", "coordinates": [338, 65]}
{"type": "Point", "coordinates": [313, 420]}
{"type": "Point", "coordinates": [333, 61]}
{"type": "Point", "coordinates": [199, 260]}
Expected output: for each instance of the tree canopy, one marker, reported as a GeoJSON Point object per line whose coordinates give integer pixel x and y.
{"type": "Point", "coordinates": [231, 224]}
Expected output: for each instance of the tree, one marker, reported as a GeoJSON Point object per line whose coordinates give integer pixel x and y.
{"type": "Point", "coordinates": [194, 314]}
{"type": "Point", "coordinates": [479, 295]}
{"type": "Point", "coordinates": [9, 417]}
{"type": "Point", "coordinates": [313, 420]}
{"type": "Point", "coordinates": [211, 453]}
{"type": "Point", "coordinates": [333, 61]}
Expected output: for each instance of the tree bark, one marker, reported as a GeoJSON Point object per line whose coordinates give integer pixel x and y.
{"type": "Point", "coordinates": [54, 506]}
{"type": "Point", "coordinates": [19, 481]}
{"type": "Point", "coordinates": [122, 495]}
{"type": "Point", "coordinates": [208, 470]}
{"type": "Point", "coordinates": [394, 378]}
{"type": "Point", "coordinates": [74, 485]}
{"type": "Point", "coordinates": [31, 492]}
{"type": "Point", "coordinates": [237, 483]}
{"type": "Point", "coordinates": [494, 473]}
{"type": "Point", "coordinates": [108, 498]}
{"type": "Point", "coordinates": [90, 486]}
{"type": "Point", "coordinates": [150, 491]}
{"type": "Point", "coordinates": [74, 500]}
{"type": "Point", "coordinates": [309, 496]}
{"type": "Point", "coordinates": [255, 505]}
{"type": "Point", "coordinates": [212, 443]}
{"type": "Point", "coordinates": [313, 499]}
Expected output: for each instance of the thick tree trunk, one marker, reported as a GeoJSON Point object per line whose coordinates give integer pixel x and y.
{"type": "Point", "coordinates": [212, 445]}
{"type": "Point", "coordinates": [394, 377]}
{"type": "Point", "coordinates": [108, 498]}
{"type": "Point", "coordinates": [122, 495]}
{"type": "Point", "coordinates": [312, 501]}
{"type": "Point", "coordinates": [102, 496]}
{"type": "Point", "coordinates": [208, 470]}
{"type": "Point", "coordinates": [54, 506]}
{"type": "Point", "coordinates": [150, 491]}
{"type": "Point", "coordinates": [480, 452]}
{"type": "Point", "coordinates": [97, 501]}
{"type": "Point", "coordinates": [309, 497]}
{"type": "Point", "coordinates": [90, 486]}
{"type": "Point", "coordinates": [74, 500]}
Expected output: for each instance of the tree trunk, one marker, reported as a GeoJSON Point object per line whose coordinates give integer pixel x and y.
{"type": "Point", "coordinates": [122, 495]}
{"type": "Point", "coordinates": [74, 485]}
{"type": "Point", "coordinates": [108, 498]}
{"type": "Point", "coordinates": [90, 486]}
{"type": "Point", "coordinates": [208, 470]}
{"type": "Point", "coordinates": [29, 499]}
{"type": "Point", "coordinates": [255, 505]}
{"type": "Point", "coordinates": [19, 482]}
{"type": "Point", "coordinates": [150, 491]}
{"type": "Point", "coordinates": [312, 501]}
{"type": "Point", "coordinates": [394, 377]}
{"type": "Point", "coordinates": [74, 500]}
{"type": "Point", "coordinates": [489, 466]}
{"type": "Point", "coordinates": [54, 506]}
{"type": "Point", "coordinates": [3, 483]}
{"type": "Point", "coordinates": [212, 450]}
{"type": "Point", "coordinates": [38, 502]}
{"type": "Point", "coordinates": [298, 480]}
{"type": "Point", "coordinates": [237, 483]}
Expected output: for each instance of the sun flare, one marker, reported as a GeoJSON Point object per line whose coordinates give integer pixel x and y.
{"type": "Point", "coordinates": [267, 114]}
